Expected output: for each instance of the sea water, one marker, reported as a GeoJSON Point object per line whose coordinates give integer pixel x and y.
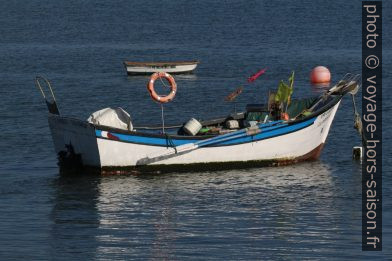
{"type": "Point", "coordinates": [308, 211]}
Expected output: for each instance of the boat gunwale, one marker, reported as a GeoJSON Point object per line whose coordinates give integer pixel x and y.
{"type": "Point", "coordinates": [326, 107]}
{"type": "Point", "coordinates": [323, 109]}
{"type": "Point", "coordinates": [275, 128]}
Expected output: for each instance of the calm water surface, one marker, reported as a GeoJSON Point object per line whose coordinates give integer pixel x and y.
{"type": "Point", "coordinates": [308, 211]}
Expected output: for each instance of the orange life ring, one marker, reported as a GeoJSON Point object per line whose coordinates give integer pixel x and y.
{"type": "Point", "coordinates": [154, 95]}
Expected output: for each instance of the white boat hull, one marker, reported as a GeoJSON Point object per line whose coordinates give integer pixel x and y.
{"type": "Point", "coordinates": [183, 68]}
{"type": "Point", "coordinates": [97, 149]}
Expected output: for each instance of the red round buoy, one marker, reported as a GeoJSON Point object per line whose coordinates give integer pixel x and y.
{"type": "Point", "coordinates": [320, 74]}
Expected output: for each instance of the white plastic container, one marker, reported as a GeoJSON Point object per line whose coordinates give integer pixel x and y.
{"type": "Point", "coordinates": [251, 123]}
{"type": "Point", "coordinates": [232, 124]}
{"type": "Point", "coordinates": [192, 127]}
{"type": "Point", "coordinates": [357, 152]}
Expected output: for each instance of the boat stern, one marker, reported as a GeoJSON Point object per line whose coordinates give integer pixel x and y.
{"type": "Point", "coordinates": [74, 141]}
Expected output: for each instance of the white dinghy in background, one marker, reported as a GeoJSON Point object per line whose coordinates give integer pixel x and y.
{"type": "Point", "coordinates": [145, 68]}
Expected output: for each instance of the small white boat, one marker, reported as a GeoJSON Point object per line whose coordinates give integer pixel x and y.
{"type": "Point", "coordinates": [112, 149]}
{"type": "Point", "coordinates": [140, 68]}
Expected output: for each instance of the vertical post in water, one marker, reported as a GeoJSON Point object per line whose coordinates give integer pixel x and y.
{"type": "Point", "coordinates": [372, 125]}
{"type": "Point", "coordinates": [163, 119]}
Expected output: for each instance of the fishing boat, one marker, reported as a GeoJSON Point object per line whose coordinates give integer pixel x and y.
{"type": "Point", "coordinates": [235, 141]}
{"type": "Point", "coordinates": [142, 68]}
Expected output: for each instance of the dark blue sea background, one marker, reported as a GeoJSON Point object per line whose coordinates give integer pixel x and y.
{"type": "Point", "coordinates": [308, 211]}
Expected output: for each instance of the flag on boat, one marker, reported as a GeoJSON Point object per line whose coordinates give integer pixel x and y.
{"type": "Point", "coordinates": [256, 75]}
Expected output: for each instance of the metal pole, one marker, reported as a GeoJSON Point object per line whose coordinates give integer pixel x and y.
{"type": "Point", "coordinates": [163, 119]}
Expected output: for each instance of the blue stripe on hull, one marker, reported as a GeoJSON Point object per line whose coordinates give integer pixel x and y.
{"type": "Point", "coordinates": [282, 129]}
{"type": "Point", "coordinates": [266, 133]}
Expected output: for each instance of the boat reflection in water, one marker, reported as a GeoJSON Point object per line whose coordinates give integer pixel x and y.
{"type": "Point", "coordinates": [75, 217]}
{"type": "Point", "coordinates": [173, 215]}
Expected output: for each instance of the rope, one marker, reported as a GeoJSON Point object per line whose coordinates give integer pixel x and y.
{"type": "Point", "coordinates": [160, 78]}
{"type": "Point", "coordinates": [169, 142]}
{"type": "Point", "coordinates": [358, 122]}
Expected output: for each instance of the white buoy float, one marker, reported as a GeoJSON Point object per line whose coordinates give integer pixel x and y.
{"type": "Point", "coordinates": [357, 153]}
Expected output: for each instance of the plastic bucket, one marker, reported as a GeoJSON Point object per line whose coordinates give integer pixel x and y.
{"type": "Point", "coordinates": [192, 127]}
